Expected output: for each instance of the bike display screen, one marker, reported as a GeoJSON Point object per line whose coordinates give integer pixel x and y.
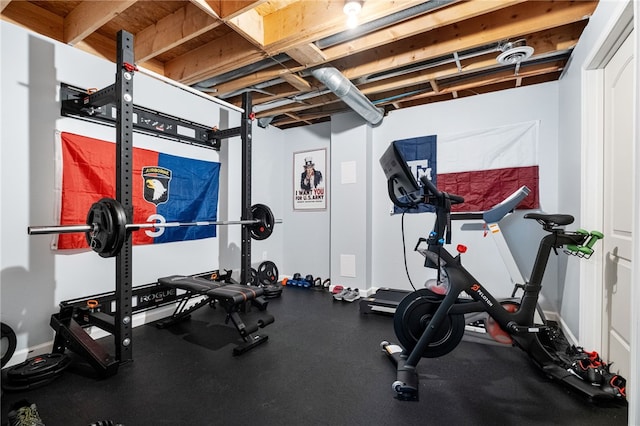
{"type": "Point", "coordinates": [403, 188]}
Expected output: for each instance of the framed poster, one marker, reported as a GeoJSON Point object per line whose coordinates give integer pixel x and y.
{"type": "Point", "coordinates": [309, 180]}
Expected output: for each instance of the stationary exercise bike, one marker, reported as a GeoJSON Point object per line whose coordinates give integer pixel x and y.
{"type": "Point", "coordinates": [430, 325]}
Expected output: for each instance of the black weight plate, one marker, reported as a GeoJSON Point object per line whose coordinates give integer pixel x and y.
{"type": "Point", "coordinates": [267, 273]}
{"type": "Point", "coordinates": [9, 342]}
{"type": "Point", "coordinates": [254, 277]}
{"type": "Point", "coordinates": [38, 368]}
{"type": "Point", "coordinates": [120, 222]}
{"type": "Point", "coordinates": [109, 219]}
{"type": "Point", "coordinates": [264, 228]}
{"type": "Point", "coordinates": [272, 291]}
{"type": "Point", "coordinates": [413, 316]}
{"type": "Point", "coordinates": [102, 236]}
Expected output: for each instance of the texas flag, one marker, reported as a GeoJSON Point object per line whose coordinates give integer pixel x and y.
{"type": "Point", "coordinates": [165, 187]}
{"type": "Point", "coordinates": [483, 166]}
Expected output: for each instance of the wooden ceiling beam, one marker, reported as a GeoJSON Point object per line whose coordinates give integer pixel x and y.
{"type": "Point", "coordinates": [469, 34]}
{"type": "Point", "coordinates": [320, 100]}
{"type": "Point", "coordinates": [87, 17]}
{"type": "Point", "coordinates": [34, 18]}
{"type": "Point", "coordinates": [225, 54]}
{"type": "Point", "coordinates": [296, 81]}
{"type": "Point", "coordinates": [477, 90]}
{"type": "Point", "coordinates": [307, 54]}
{"type": "Point", "coordinates": [542, 41]}
{"type": "Point", "coordinates": [425, 90]}
{"type": "Point", "coordinates": [304, 22]}
{"type": "Point", "coordinates": [295, 118]}
{"type": "Point", "coordinates": [545, 42]}
{"type": "Point", "coordinates": [453, 83]}
{"type": "Point", "coordinates": [229, 9]}
{"type": "Point", "coordinates": [439, 18]}
{"type": "Point", "coordinates": [249, 80]}
{"type": "Point", "coordinates": [105, 47]}
{"type": "Point", "coordinates": [251, 25]}
{"type": "Point", "coordinates": [493, 79]}
{"type": "Point", "coordinates": [205, 6]}
{"type": "Point", "coordinates": [181, 26]}
{"type": "Point", "coordinates": [270, 94]}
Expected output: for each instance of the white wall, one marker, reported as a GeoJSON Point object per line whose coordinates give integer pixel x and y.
{"type": "Point", "coordinates": [352, 239]}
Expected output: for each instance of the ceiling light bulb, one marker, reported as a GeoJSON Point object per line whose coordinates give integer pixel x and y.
{"type": "Point", "coordinates": [352, 21]}
{"type": "Point", "coordinates": [352, 7]}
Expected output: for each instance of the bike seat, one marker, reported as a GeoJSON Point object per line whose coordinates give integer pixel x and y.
{"type": "Point", "coordinates": [550, 220]}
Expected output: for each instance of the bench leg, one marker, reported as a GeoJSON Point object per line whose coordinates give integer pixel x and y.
{"type": "Point", "coordinates": [250, 340]}
{"type": "Point", "coordinates": [181, 313]}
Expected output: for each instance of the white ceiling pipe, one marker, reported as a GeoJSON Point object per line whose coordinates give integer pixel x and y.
{"type": "Point", "coordinates": [350, 95]}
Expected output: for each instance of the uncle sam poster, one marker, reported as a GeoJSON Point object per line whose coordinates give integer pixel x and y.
{"type": "Point", "coordinates": [309, 180]}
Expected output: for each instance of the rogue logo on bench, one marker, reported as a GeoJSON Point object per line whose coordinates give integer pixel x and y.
{"type": "Point", "coordinates": [155, 296]}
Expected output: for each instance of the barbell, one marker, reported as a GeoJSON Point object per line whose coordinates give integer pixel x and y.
{"type": "Point", "coordinates": [106, 226]}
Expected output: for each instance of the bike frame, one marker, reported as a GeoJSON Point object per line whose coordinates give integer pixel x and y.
{"type": "Point", "coordinates": [519, 324]}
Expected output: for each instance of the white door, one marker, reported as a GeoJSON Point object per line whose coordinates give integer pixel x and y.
{"type": "Point", "coordinates": [618, 208]}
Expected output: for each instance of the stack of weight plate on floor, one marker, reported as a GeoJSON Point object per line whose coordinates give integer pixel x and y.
{"type": "Point", "coordinates": [267, 277]}
{"type": "Point", "coordinates": [34, 372]}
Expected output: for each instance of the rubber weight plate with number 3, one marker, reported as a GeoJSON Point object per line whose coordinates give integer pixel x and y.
{"type": "Point", "coordinates": [109, 236]}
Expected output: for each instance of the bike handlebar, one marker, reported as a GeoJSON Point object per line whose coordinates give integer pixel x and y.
{"type": "Point", "coordinates": [455, 199]}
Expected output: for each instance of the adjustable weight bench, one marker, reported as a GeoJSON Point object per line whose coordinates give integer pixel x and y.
{"type": "Point", "coordinates": [234, 298]}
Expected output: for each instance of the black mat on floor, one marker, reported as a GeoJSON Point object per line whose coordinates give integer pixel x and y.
{"type": "Point", "coordinates": [322, 365]}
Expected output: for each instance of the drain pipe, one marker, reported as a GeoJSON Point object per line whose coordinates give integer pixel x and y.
{"type": "Point", "coordinates": [350, 95]}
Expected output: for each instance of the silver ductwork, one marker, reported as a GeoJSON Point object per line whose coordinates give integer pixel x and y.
{"type": "Point", "coordinates": [350, 95]}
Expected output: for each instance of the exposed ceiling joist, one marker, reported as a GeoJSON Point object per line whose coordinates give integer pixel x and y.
{"type": "Point", "coordinates": [405, 53]}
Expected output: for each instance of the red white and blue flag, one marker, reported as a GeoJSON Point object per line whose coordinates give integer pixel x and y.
{"type": "Point", "coordinates": [483, 166]}
{"type": "Point", "coordinates": [165, 187]}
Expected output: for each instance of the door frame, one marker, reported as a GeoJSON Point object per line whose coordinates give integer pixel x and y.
{"type": "Point", "coordinates": [620, 26]}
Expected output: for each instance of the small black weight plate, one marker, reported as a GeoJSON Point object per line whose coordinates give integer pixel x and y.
{"type": "Point", "coordinates": [38, 368]}
{"type": "Point", "coordinates": [272, 291]}
{"type": "Point", "coordinates": [267, 273]}
{"type": "Point", "coordinates": [109, 220]}
{"type": "Point", "coordinates": [254, 277]}
{"type": "Point", "coordinates": [263, 229]}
